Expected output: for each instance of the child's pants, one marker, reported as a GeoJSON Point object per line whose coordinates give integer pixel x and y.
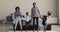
{"type": "Point", "coordinates": [42, 27]}
{"type": "Point", "coordinates": [45, 26]}
{"type": "Point", "coordinates": [27, 25]}
{"type": "Point", "coordinates": [16, 22]}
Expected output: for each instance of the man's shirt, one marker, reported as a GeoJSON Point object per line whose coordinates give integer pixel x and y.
{"type": "Point", "coordinates": [35, 12]}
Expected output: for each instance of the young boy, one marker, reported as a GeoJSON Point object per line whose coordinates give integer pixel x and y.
{"type": "Point", "coordinates": [27, 20]}
{"type": "Point", "coordinates": [44, 22]}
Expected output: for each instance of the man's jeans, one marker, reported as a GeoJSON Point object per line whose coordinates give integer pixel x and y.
{"type": "Point", "coordinates": [35, 18]}
{"type": "Point", "coordinates": [16, 22]}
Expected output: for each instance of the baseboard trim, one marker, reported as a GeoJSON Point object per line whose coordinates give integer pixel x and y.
{"type": "Point", "coordinates": [54, 24]}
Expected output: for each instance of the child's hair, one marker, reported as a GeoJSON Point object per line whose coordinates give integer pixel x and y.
{"type": "Point", "coordinates": [45, 17]}
{"type": "Point", "coordinates": [26, 12]}
{"type": "Point", "coordinates": [23, 16]}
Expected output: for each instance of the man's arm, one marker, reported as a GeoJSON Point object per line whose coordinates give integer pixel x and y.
{"type": "Point", "coordinates": [39, 12]}
{"type": "Point", "coordinates": [31, 13]}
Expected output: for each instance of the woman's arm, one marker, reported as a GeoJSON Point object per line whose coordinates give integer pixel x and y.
{"type": "Point", "coordinates": [13, 16]}
{"type": "Point", "coordinates": [21, 15]}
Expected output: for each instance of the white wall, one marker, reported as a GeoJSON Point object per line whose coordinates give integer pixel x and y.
{"type": "Point", "coordinates": [59, 11]}
{"type": "Point", "coordinates": [7, 6]}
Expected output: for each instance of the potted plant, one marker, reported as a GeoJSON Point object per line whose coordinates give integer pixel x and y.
{"type": "Point", "coordinates": [49, 13]}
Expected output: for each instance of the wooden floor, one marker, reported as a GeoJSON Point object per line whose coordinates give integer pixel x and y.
{"type": "Point", "coordinates": [31, 28]}
{"type": "Point", "coordinates": [31, 31]}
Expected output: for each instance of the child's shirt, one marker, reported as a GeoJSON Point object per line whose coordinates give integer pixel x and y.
{"type": "Point", "coordinates": [27, 18]}
{"type": "Point", "coordinates": [44, 21]}
{"type": "Point", "coordinates": [40, 22]}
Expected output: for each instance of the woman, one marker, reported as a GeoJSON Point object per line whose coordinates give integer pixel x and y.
{"type": "Point", "coordinates": [17, 17]}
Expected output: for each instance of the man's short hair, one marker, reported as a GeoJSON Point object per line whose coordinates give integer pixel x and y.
{"type": "Point", "coordinates": [34, 2]}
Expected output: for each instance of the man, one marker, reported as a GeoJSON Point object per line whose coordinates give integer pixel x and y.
{"type": "Point", "coordinates": [35, 14]}
{"type": "Point", "coordinates": [17, 17]}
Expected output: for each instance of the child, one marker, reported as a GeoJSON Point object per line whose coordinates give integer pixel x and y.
{"type": "Point", "coordinates": [27, 19]}
{"type": "Point", "coordinates": [40, 24]}
{"type": "Point", "coordinates": [44, 22]}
